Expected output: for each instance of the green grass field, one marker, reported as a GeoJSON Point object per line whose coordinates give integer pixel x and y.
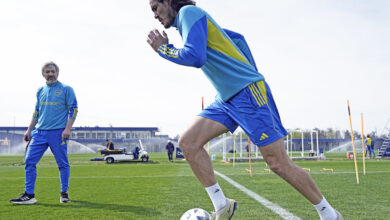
{"type": "Point", "coordinates": [163, 190]}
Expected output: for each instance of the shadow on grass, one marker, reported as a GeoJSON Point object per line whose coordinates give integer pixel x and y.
{"type": "Point", "coordinates": [138, 162]}
{"type": "Point", "coordinates": [76, 204]}
{"type": "Point", "coordinates": [132, 162]}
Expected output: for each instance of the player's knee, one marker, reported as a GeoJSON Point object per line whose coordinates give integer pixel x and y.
{"type": "Point", "coordinates": [63, 166]}
{"type": "Point", "coordinates": [278, 167]}
{"type": "Point", "coordinates": [182, 143]}
{"type": "Point", "coordinates": [30, 162]}
{"type": "Point", "coordinates": [186, 145]}
{"type": "Point", "coordinates": [275, 167]}
{"type": "Point", "coordinates": [30, 166]}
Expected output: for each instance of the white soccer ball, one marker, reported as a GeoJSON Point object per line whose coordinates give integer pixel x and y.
{"type": "Point", "coordinates": [196, 214]}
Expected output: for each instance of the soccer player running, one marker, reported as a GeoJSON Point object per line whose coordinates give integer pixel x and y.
{"type": "Point", "coordinates": [244, 99]}
{"type": "Point", "coordinates": [55, 113]}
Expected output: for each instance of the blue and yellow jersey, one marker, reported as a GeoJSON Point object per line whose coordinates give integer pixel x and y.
{"type": "Point", "coordinates": [223, 55]}
{"type": "Point", "coordinates": [55, 104]}
{"type": "Point", "coordinates": [368, 141]}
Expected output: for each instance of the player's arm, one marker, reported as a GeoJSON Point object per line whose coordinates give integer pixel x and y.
{"type": "Point", "coordinates": [194, 33]}
{"type": "Point", "coordinates": [27, 134]}
{"type": "Point", "coordinates": [72, 112]}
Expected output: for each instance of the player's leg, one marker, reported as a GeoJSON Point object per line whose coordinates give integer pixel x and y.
{"type": "Point", "coordinates": [34, 154]}
{"type": "Point", "coordinates": [261, 121]}
{"type": "Point", "coordinates": [59, 148]}
{"type": "Point", "coordinates": [35, 151]}
{"type": "Point", "coordinates": [192, 141]}
{"type": "Point", "coordinates": [279, 162]}
{"type": "Point", "coordinates": [372, 153]}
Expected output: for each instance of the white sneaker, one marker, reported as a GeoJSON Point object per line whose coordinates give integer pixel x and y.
{"type": "Point", "coordinates": [227, 212]}
{"type": "Point", "coordinates": [64, 197]}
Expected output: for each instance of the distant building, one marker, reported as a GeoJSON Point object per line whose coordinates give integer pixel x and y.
{"type": "Point", "coordinates": [122, 136]}
{"type": "Point", "coordinates": [87, 134]}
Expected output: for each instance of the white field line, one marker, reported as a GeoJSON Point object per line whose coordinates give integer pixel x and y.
{"type": "Point", "coordinates": [169, 176]}
{"type": "Point", "coordinates": [268, 204]}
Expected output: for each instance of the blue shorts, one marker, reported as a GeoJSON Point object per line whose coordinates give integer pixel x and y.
{"type": "Point", "coordinates": [254, 110]}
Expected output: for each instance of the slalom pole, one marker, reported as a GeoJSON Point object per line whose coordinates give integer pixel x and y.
{"type": "Point", "coordinates": [234, 150]}
{"type": "Point", "coordinates": [364, 154]}
{"type": "Point", "coordinates": [353, 144]}
{"type": "Point", "coordinates": [249, 153]}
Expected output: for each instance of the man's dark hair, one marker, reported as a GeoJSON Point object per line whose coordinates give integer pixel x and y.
{"type": "Point", "coordinates": [178, 4]}
{"type": "Point", "coordinates": [51, 63]}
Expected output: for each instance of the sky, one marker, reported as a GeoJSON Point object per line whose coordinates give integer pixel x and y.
{"type": "Point", "coordinates": [314, 54]}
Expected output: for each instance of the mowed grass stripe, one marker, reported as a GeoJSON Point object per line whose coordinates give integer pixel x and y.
{"type": "Point", "coordinates": [161, 190]}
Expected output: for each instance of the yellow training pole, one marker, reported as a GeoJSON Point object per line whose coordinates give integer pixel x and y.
{"type": "Point", "coordinates": [364, 154]}
{"type": "Point", "coordinates": [353, 145]}
{"type": "Point", "coordinates": [234, 150]}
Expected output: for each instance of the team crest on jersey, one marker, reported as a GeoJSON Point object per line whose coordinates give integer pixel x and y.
{"type": "Point", "coordinates": [58, 92]}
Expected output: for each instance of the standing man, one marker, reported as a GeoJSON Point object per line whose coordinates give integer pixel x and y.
{"type": "Point", "coordinates": [244, 99]}
{"type": "Point", "coordinates": [55, 113]}
{"type": "Point", "coordinates": [369, 146]}
{"type": "Point", "coordinates": [170, 149]}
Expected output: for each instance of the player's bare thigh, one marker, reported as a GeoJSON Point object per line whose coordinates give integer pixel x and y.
{"type": "Point", "coordinates": [200, 132]}
{"type": "Point", "coordinates": [275, 155]}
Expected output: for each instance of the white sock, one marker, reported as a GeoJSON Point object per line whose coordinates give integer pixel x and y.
{"type": "Point", "coordinates": [217, 197]}
{"type": "Point", "coordinates": [325, 210]}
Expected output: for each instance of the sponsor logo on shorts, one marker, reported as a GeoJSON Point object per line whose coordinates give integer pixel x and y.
{"type": "Point", "coordinates": [263, 136]}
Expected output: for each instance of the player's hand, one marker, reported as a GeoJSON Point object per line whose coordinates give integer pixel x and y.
{"type": "Point", "coordinates": [155, 39]}
{"type": "Point", "coordinates": [65, 134]}
{"type": "Point", "coordinates": [27, 136]}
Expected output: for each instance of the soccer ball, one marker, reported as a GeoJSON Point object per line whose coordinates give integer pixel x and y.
{"type": "Point", "coordinates": [196, 214]}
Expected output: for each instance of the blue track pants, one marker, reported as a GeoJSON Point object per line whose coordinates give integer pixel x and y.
{"type": "Point", "coordinates": [41, 140]}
